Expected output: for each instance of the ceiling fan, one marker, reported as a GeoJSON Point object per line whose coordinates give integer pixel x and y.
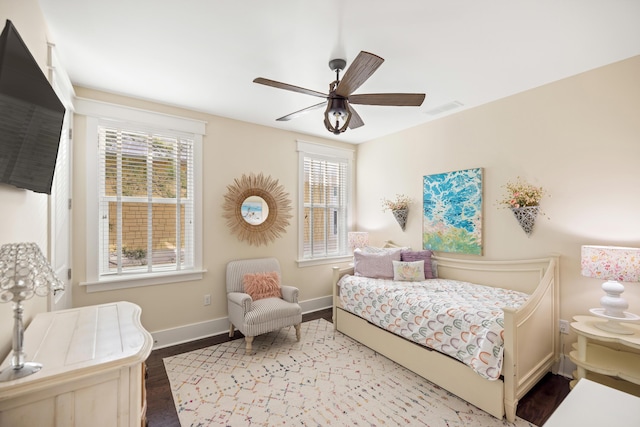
{"type": "Point", "coordinates": [341, 94]}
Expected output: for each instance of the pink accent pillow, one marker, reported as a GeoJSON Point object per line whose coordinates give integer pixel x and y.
{"type": "Point", "coordinates": [262, 285]}
{"type": "Point", "coordinates": [412, 256]}
{"type": "Point", "coordinates": [377, 265]}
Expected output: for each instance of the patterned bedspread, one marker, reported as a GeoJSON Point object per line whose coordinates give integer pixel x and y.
{"type": "Point", "coordinates": [460, 319]}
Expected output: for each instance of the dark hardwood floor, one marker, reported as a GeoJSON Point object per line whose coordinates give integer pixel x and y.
{"type": "Point", "coordinates": [535, 407]}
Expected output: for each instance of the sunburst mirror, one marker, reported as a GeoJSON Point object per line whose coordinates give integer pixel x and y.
{"type": "Point", "coordinates": [257, 209]}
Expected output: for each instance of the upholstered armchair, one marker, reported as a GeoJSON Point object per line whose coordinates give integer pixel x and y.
{"type": "Point", "coordinates": [272, 306]}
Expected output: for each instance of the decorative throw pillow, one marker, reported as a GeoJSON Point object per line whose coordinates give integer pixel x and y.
{"type": "Point", "coordinates": [411, 271]}
{"type": "Point", "coordinates": [262, 285]}
{"type": "Point", "coordinates": [376, 265]}
{"type": "Point", "coordinates": [420, 256]}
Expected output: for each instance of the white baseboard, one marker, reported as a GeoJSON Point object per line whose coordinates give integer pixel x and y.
{"type": "Point", "coordinates": [196, 331]}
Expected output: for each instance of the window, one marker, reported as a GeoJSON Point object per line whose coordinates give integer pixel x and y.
{"type": "Point", "coordinates": [143, 193]}
{"type": "Point", "coordinates": [325, 193]}
{"type": "Point", "coordinates": [145, 200]}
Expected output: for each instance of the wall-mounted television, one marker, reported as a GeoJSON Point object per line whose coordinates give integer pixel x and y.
{"type": "Point", "coordinates": [31, 116]}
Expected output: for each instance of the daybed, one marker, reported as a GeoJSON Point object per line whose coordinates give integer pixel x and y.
{"type": "Point", "coordinates": [530, 333]}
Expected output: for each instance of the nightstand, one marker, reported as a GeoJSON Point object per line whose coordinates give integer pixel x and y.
{"type": "Point", "coordinates": [605, 357]}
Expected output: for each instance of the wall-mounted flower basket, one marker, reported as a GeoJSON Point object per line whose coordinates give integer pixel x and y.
{"type": "Point", "coordinates": [401, 216]}
{"type": "Point", "coordinates": [526, 217]}
{"type": "Point", "coordinates": [399, 207]}
{"type": "Point", "coordinates": [524, 201]}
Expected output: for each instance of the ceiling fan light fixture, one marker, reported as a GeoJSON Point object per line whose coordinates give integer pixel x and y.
{"type": "Point", "coordinates": [340, 99]}
{"type": "Point", "coordinates": [338, 107]}
{"type": "Point", "coordinates": [338, 111]}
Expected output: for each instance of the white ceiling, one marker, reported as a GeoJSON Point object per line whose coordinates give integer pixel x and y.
{"type": "Point", "coordinates": [204, 54]}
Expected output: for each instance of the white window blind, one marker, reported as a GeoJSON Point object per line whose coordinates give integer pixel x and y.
{"type": "Point", "coordinates": [325, 182]}
{"type": "Point", "coordinates": [146, 200]}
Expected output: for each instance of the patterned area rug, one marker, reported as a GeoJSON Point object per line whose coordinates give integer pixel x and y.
{"type": "Point", "coordinates": [326, 379]}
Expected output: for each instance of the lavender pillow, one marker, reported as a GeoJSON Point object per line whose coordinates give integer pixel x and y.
{"type": "Point", "coordinates": [377, 265]}
{"type": "Point", "coordinates": [425, 256]}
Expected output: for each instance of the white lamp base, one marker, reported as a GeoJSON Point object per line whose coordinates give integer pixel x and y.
{"type": "Point", "coordinates": [613, 324]}
{"type": "Point", "coordinates": [28, 368]}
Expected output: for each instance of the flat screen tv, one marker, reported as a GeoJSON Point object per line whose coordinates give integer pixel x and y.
{"type": "Point", "coordinates": [31, 116]}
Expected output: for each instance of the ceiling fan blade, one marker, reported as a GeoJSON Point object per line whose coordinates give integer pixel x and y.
{"type": "Point", "coordinates": [301, 112]}
{"type": "Point", "coordinates": [399, 99]}
{"type": "Point", "coordinates": [356, 120]}
{"type": "Point", "coordinates": [358, 72]}
{"type": "Point", "coordinates": [287, 86]}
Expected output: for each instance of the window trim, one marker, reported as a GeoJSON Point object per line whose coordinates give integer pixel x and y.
{"type": "Point", "coordinates": [305, 148]}
{"type": "Point", "coordinates": [96, 112]}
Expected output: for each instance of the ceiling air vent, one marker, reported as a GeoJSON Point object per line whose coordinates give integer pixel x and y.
{"type": "Point", "coordinates": [444, 108]}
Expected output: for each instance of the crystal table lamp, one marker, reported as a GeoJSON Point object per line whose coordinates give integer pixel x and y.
{"type": "Point", "coordinates": [357, 239]}
{"type": "Point", "coordinates": [613, 264]}
{"type": "Point", "coordinates": [24, 272]}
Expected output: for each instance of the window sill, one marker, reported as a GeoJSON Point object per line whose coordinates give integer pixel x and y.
{"type": "Point", "coordinates": [323, 261]}
{"type": "Point", "coordinates": [139, 280]}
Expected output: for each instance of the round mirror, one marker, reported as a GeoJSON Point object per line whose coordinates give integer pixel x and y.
{"type": "Point", "coordinates": [257, 209]}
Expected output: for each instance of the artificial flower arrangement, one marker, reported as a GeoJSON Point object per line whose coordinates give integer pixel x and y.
{"type": "Point", "coordinates": [521, 194]}
{"type": "Point", "coordinates": [401, 202]}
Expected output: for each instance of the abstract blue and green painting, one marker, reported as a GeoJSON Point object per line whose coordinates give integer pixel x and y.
{"type": "Point", "coordinates": [452, 212]}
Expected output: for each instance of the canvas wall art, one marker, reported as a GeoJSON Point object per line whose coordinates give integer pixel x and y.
{"type": "Point", "coordinates": [452, 212]}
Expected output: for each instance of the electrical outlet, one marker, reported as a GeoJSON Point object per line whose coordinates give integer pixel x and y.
{"type": "Point", "coordinates": [207, 299]}
{"type": "Point", "coordinates": [564, 327]}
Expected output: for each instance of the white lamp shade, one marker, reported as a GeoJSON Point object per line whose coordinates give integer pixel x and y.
{"type": "Point", "coordinates": [611, 263]}
{"type": "Point", "coordinates": [357, 239]}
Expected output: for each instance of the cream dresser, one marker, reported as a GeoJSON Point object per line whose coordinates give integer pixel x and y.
{"type": "Point", "coordinates": [93, 370]}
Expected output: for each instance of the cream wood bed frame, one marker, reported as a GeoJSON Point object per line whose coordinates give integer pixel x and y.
{"type": "Point", "coordinates": [531, 335]}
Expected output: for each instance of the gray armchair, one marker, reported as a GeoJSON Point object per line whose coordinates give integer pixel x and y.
{"type": "Point", "coordinates": [254, 318]}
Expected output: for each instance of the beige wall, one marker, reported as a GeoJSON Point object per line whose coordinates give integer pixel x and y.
{"type": "Point", "coordinates": [23, 213]}
{"type": "Point", "coordinates": [231, 148]}
{"type": "Point", "coordinates": [579, 138]}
